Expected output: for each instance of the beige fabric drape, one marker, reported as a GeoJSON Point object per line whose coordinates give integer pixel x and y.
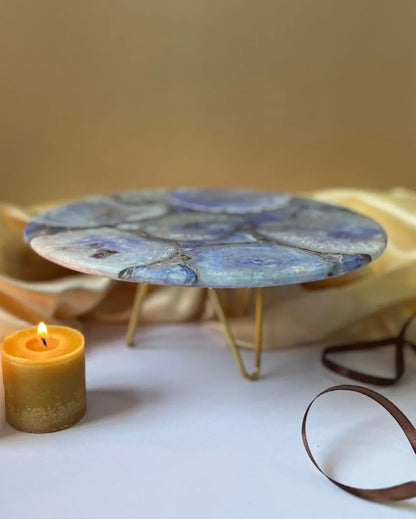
{"type": "Point", "coordinates": [369, 303]}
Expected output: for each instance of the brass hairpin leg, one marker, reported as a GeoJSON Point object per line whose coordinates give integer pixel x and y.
{"type": "Point", "coordinates": [216, 303]}
{"type": "Point", "coordinates": [141, 292]}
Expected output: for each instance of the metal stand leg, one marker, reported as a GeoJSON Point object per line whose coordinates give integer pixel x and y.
{"type": "Point", "coordinates": [141, 292]}
{"type": "Point", "coordinates": [216, 303]}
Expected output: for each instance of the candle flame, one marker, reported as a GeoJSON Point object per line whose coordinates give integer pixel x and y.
{"type": "Point", "coordinates": [42, 331]}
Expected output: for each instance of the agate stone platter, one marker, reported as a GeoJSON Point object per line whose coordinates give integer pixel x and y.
{"type": "Point", "coordinates": [206, 238]}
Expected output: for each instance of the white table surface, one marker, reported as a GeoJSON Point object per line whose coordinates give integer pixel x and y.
{"type": "Point", "coordinates": [173, 431]}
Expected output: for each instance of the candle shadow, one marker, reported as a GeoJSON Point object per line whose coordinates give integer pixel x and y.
{"type": "Point", "coordinates": [103, 403]}
{"type": "Point", "coordinates": [7, 430]}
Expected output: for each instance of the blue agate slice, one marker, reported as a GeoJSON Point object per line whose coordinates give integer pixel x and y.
{"type": "Point", "coordinates": [237, 201]}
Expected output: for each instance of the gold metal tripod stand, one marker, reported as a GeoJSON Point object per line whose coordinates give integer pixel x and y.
{"type": "Point", "coordinates": [141, 292]}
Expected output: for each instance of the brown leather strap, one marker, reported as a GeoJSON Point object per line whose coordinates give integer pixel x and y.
{"type": "Point", "coordinates": [394, 493]}
{"type": "Point", "coordinates": [398, 343]}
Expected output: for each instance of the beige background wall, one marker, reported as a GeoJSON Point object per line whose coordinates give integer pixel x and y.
{"type": "Point", "coordinates": [100, 95]}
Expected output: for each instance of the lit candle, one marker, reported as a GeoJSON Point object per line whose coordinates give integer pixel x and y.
{"type": "Point", "coordinates": [44, 378]}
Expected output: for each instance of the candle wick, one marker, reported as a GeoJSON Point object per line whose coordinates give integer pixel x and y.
{"type": "Point", "coordinates": [44, 342]}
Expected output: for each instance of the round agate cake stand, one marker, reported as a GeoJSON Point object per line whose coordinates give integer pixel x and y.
{"type": "Point", "coordinates": [207, 238]}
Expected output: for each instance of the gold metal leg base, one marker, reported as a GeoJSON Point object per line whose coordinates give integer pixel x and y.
{"type": "Point", "coordinates": [141, 292]}
{"type": "Point", "coordinates": [219, 310]}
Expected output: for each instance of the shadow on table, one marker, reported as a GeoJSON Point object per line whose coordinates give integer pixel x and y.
{"type": "Point", "coordinates": [106, 403]}
{"type": "Point", "coordinates": [7, 430]}
{"type": "Point", "coordinates": [99, 334]}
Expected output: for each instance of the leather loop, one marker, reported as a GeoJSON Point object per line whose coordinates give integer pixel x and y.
{"type": "Point", "coordinates": [398, 343]}
{"type": "Point", "coordinates": [394, 493]}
